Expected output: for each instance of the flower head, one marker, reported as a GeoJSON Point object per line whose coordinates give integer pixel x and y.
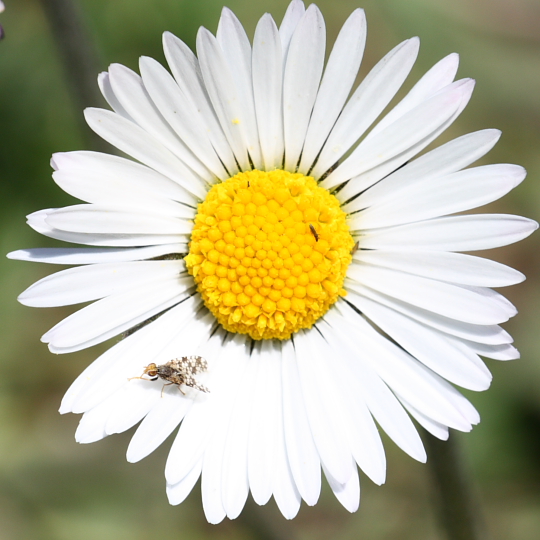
{"type": "Point", "coordinates": [284, 268]}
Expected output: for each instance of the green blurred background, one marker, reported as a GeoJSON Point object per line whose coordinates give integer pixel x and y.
{"type": "Point", "coordinates": [53, 488]}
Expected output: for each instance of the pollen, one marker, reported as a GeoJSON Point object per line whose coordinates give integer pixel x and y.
{"type": "Point", "coordinates": [269, 252]}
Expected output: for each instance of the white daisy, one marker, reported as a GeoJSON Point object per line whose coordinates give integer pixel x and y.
{"type": "Point", "coordinates": [278, 255]}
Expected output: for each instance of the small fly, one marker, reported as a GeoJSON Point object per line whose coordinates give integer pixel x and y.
{"type": "Point", "coordinates": [314, 232]}
{"type": "Point", "coordinates": [179, 371]}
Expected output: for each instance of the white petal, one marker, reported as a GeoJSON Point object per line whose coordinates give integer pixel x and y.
{"type": "Point", "coordinates": [125, 359]}
{"type": "Point", "coordinates": [302, 454]}
{"type": "Point", "coordinates": [185, 68]}
{"type": "Point", "coordinates": [164, 417]}
{"type": "Point", "coordinates": [122, 175]}
{"type": "Point", "coordinates": [104, 82]}
{"type": "Point", "coordinates": [237, 52]}
{"type": "Point", "coordinates": [435, 428]}
{"type": "Point", "coordinates": [235, 484]}
{"type": "Point", "coordinates": [360, 430]}
{"type": "Point", "coordinates": [179, 113]}
{"type": "Point", "coordinates": [450, 194]}
{"type": "Point", "coordinates": [293, 15]}
{"type": "Point", "coordinates": [439, 76]}
{"type": "Point", "coordinates": [454, 233]}
{"type": "Point", "coordinates": [409, 378]}
{"type": "Point", "coordinates": [263, 426]}
{"type": "Point", "coordinates": [443, 298]}
{"type": "Point", "coordinates": [99, 189]}
{"type": "Point", "coordinates": [411, 145]}
{"type": "Point", "coordinates": [224, 96]}
{"type": "Point", "coordinates": [91, 427]}
{"type": "Point", "coordinates": [37, 221]}
{"type": "Point", "coordinates": [367, 103]}
{"type": "Point", "coordinates": [444, 266]}
{"type": "Point", "coordinates": [446, 357]}
{"type": "Point", "coordinates": [95, 255]}
{"type": "Point", "coordinates": [208, 410]}
{"type": "Point", "coordinates": [381, 402]}
{"type": "Point", "coordinates": [348, 494]}
{"type": "Point", "coordinates": [497, 352]}
{"type": "Point", "coordinates": [178, 492]}
{"type": "Point", "coordinates": [414, 127]}
{"type": "Point", "coordinates": [101, 219]}
{"type": "Point", "coordinates": [303, 70]}
{"type": "Point", "coordinates": [138, 143]}
{"type": "Point", "coordinates": [267, 69]}
{"type": "Point", "coordinates": [212, 479]}
{"type": "Point", "coordinates": [131, 92]}
{"type": "Point", "coordinates": [324, 410]}
{"type": "Point", "coordinates": [87, 283]}
{"type": "Point", "coordinates": [137, 400]}
{"type": "Point", "coordinates": [284, 488]}
{"type": "Point", "coordinates": [446, 159]}
{"type": "Point", "coordinates": [113, 315]}
{"type": "Point", "coordinates": [338, 79]}
{"type": "Point", "coordinates": [489, 334]}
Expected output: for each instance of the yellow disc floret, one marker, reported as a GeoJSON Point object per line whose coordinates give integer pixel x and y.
{"type": "Point", "coordinates": [269, 252]}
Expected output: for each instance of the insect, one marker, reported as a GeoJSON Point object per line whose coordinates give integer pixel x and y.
{"type": "Point", "coordinates": [314, 232]}
{"type": "Point", "coordinates": [178, 371]}
{"type": "Point", "coordinates": [355, 248]}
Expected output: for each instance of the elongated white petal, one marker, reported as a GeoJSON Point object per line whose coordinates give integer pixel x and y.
{"type": "Point", "coordinates": [394, 160]}
{"type": "Point", "coordinates": [322, 407]}
{"type": "Point", "coordinates": [104, 82]}
{"type": "Point", "coordinates": [267, 68]}
{"type": "Point", "coordinates": [186, 70]}
{"type": "Point", "coordinates": [116, 175]}
{"type": "Point", "coordinates": [381, 402]}
{"type": "Point", "coordinates": [130, 90]}
{"type": "Point", "coordinates": [488, 334]}
{"type": "Point", "coordinates": [94, 255]}
{"type": "Point", "coordinates": [303, 70]}
{"type": "Point", "coordinates": [367, 102]}
{"type": "Point", "coordinates": [99, 219]}
{"type": "Point", "coordinates": [96, 188]}
{"type": "Point", "coordinates": [442, 298]}
{"type": "Point", "coordinates": [37, 221]}
{"type": "Point", "coordinates": [177, 493]}
{"type": "Point", "coordinates": [302, 453]}
{"type": "Point", "coordinates": [293, 16]}
{"type": "Point", "coordinates": [338, 79]}
{"type": "Point", "coordinates": [454, 233]}
{"type": "Point", "coordinates": [225, 98]}
{"type": "Point", "coordinates": [263, 425]}
{"type": "Point", "coordinates": [178, 111]}
{"type": "Point", "coordinates": [115, 314]}
{"type": "Point", "coordinates": [235, 483]}
{"type": "Point", "coordinates": [445, 159]}
{"type": "Point", "coordinates": [348, 493]}
{"type": "Point", "coordinates": [439, 76]}
{"type": "Point", "coordinates": [444, 356]}
{"type": "Point", "coordinates": [87, 283]}
{"type": "Point", "coordinates": [136, 142]}
{"type": "Point", "coordinates": [237, 52]}
{"type": "Point", "coordinates": [450, 194]}
{"type": "Point", "coordinates": [208, 411]}
{"type": "Point", "coordinates": [359, 427]}
{"type": "Point", "coordinates": [444, 266]}
{"type": "Point", "coordinates": [159, 423]}
{"type": "Point", "coordinates": [410, 129]}
{"type": "Point", "coordinates": [286, 494]}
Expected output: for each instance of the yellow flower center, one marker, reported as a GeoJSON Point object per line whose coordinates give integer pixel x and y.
{"type": "Point", "coordinates": [269, 252]}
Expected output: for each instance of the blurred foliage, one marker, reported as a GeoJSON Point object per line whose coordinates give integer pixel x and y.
{"type": "Point", "coordinates": [52, 488]}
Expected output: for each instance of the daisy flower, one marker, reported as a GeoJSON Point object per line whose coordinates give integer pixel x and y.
{"type": "Point", "coordinates": [283, 269]}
